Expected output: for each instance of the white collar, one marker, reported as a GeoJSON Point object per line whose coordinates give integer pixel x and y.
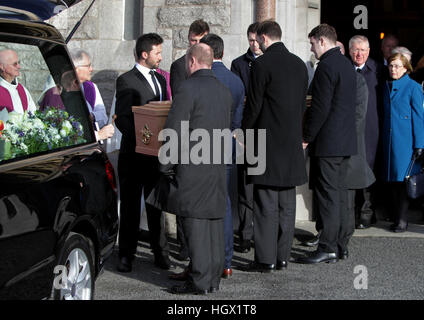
{"type": "Point", "coordinates": [360, 67]}
{"type": "Point", "coordinates": [144, 70]}
{"type": "Point", "coordinates": [7, 84]}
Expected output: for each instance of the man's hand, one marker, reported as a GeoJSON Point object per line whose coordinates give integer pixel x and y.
{"type": "Point", "coordinates": [105, 132]}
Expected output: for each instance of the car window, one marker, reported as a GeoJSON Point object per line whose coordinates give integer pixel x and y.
{"type": "Point", "coordinates": [42, 108]}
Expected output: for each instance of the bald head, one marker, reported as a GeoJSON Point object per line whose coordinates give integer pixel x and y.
{"type": "Point", "coordinates": [199, 56]}
{"type": "Point", "coordinates": [9, 65]}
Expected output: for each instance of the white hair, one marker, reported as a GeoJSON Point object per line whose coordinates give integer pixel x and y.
{"type": "Point", "coordinates": [403, 51]}
{"type": "Point", "coordinates": [358, 38]}
{"type": "Point", "coordinates": [77, 55]}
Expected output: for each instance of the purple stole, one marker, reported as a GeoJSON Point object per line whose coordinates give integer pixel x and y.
{"type": "Point", "coordinates": [90, 93]}
{"type": "Point", "coordinates": [6, 99]}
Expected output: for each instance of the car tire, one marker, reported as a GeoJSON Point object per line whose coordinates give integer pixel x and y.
{"type": "Point", "coordinates": [74, 272]}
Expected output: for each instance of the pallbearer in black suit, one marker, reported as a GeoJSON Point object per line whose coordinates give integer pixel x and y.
{"type": "Point", "coordinates": [136, 171]}
{"type": "Point", "coordinates": [330, 129]}
{"type": "Point", "coordinates": [198, 191]}
{"type": "Point", "coordinates": [276, 101]}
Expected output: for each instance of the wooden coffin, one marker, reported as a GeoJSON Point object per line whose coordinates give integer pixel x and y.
{"type": "Point", "coordinates": [149, 120]}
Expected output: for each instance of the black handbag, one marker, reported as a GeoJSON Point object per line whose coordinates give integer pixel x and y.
{"type": "Point", "coordinates": [414, 183]}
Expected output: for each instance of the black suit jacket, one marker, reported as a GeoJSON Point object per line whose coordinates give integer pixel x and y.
{"type": "Point", "coordinates": [199, 190]}
{"type": "Point", "coordinates": [330, 121]}
{"type": "Point", "coordinates": [276, 101]}
{"type": "Point", "coordinates": [178, 74]}
{"type": "Point", "coordinates": [132, 89]}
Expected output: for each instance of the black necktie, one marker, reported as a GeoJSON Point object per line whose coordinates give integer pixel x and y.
{"type": "Point", "coordinates": [155, 83]}
{"type": "Point", "coordinates": [359, 70]}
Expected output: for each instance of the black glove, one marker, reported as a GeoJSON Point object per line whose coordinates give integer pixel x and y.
{"type": "Point", "coordinates": [418, 153]}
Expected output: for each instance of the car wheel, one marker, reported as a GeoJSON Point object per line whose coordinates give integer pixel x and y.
{"type": "Point", "coordinates": [74, 272]}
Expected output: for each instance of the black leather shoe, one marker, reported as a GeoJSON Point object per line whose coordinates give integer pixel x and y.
{"type": "Point", "coordinates": [213, 290]}
{"type": "Point", "coordinates": [124, 265]}
{"type": "Point", "coordinates": [244, 246]}
{"type": "Point", "coordinates": [363, 226]}
{"type": "Point", "coordinates": [344, 254]}
{"type": "Point", "coordinates": [314, 241]}
{"type": "Point", "coordinates": [259, 267]}
{"type": "Point", "coordinates": [319, 256]}
{"type": "Point", "coordinates": [163, 262]}
{"type": "Point", "coordinates": [281, 265]}
{"type": "Point", "coordinates": [187, 288]}
{"type": "Point", "coordinates": [398, 228]}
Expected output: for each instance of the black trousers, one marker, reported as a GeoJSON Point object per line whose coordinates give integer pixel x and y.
{"type": "Point", "coordinates": [332, 200]}
{"type": "Point", "coordinates": [274, 222]}
{"type": "Point", "coordinates": [364, 208]}
{"type": "Point", "coordinates": [400, 203]}
{"type": "Point", "coordinates": [245, 204]}
{"type": "Point", "coordinates": [138, 172]}
{"type": "Point", "coordinates": [206, 248]}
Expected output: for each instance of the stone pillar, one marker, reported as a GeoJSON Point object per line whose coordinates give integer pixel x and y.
{"type": "Point", "coordinates": [265, 10]}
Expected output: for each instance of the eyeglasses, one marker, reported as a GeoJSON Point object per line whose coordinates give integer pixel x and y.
{"type": "Point", "coordinates": [395, 66]}
{"type": "Point", "coordinates": [84, 66]}
{"type": "Point", "coordinates": [359, 50]}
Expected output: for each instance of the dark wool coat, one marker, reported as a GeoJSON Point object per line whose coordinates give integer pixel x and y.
{"type": "Point", "coordinates": [241, 67]}
{"type": "Point", "coordinates": [359, 174]}
{"type": "Point", "coordinates": [330, 121]}
{"type": "Point", "coordinates": [275, 102]}
{"type": "Point", "coordinates": [197, 190]}
{"type": "Point", "coordinates": [374, 75]}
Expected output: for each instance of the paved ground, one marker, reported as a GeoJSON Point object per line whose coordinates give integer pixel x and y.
{"type": "Point", "coordinates": [393, 262]}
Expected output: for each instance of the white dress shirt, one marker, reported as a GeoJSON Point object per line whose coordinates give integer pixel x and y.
{"type": "Point", "coordinates": [146, 73]}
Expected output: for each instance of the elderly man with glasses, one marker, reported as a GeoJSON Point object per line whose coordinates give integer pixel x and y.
{"type": "Point", "coordinates": [13, 95]}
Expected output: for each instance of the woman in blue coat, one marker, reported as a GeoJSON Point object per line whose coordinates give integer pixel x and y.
{"type": "Point", "coordinates": [403, 133]}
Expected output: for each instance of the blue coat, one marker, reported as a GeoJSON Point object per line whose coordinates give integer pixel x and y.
{"type": "Point", "coordinates": [403, 127]}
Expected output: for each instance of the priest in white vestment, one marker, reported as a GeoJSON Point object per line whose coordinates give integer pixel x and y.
{"type": "Point", "coordinates": [13, 95]}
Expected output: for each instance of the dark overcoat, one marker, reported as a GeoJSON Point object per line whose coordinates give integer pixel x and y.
{"type": "Point", "coordinates": [178, 74]}
{"type": "Point", "coordinates": [359, 174]}
{"type": "Point", "coordinates": [374, 75]}
{"type": "Point", "coordinates": [330, 121]}
{"type": "Point", "coordinates": [275, 102]}
{"type": "Point", "coordinates": [241, 67]}
{"type": "Point", "coordinates": [198, 190]}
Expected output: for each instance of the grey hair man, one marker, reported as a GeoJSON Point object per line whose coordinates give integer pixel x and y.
{"type": "Point", "coordinates": [359, 50]}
